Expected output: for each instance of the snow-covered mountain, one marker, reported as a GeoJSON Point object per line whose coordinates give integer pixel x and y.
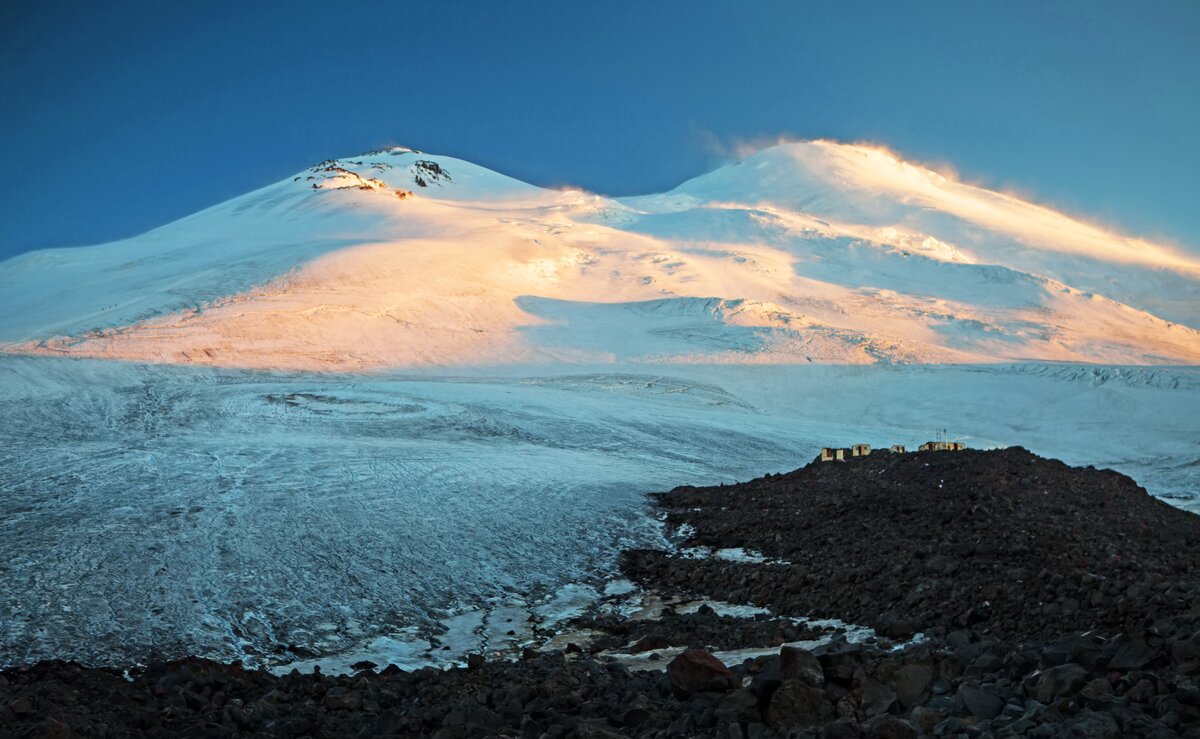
{"type": "Point", "coordinates": [538, 360]}
{"type": "Point", "coordinates": [803, 252]}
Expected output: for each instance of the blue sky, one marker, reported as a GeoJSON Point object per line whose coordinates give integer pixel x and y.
{"type": "Point", "coordinates": [122, 116]}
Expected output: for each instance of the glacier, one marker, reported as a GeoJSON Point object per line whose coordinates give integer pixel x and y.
{"type": "Point", "coordinates": [269, 517]}
{"type": "Point", "coordinates": [347, 407]}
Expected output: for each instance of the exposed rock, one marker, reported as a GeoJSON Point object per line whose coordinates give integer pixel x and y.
{"type": "Point", "coordinates": [1092, 725]}
{"type": "Point", "coordinates": [934, 518]}
{"type": "Point", "coordinates": [978, 702]}
{"type": "Point", "coordinates": [1186, 649]}
{"type": "Point", "coordinates": [1132, 654]}
{"type": "Point", "coordinates": [594, 730]}
{"type": "Point", "coordinates": [740, 705]}
{"type": "Point", "coordinates": [890, 727]}
{"type": "Point", "coordinates": [843, 728]}
{"type": "Point", "coordinates": [1059, 682]}
{"type": "Point", "coordinates": [696, 670]}
{"type": "Point", "coordinates": [649, 643]}
{"type": "Point", "coordinates": [797, 704]}
{"type": "Point", "coordinates": [800, 664]}
{"type": "Point", "coordinates": [924, 719]}
{"type": "Point", "coordinates": [911, 682]}
{"type": "Point", "coordinates": [877, 697]}
{"type": "Point", "coordinates": [1099, 689]}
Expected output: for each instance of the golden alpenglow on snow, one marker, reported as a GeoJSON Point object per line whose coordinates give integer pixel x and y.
{"type": "Point", "coordinates": [809, 252]}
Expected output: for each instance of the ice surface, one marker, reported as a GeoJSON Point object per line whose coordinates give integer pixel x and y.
{"type": "Point", "coordinates": [281, 517]}
{"type": "Point", "coordinates": [650, 606]}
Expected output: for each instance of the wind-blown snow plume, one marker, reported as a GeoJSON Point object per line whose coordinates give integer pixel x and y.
{"type": "Point", "coordinates": [861, 170]}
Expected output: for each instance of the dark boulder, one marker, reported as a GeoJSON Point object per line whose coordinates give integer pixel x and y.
{"type": "Point", "coordinates": [1132, 654]}
{"type": "Point", "coordinates": [911, 683]}
{"type": "Point", "coordinates": [979, 702]}
{"type": "Point", "coordinates": [696, 670]}
{"type": "Point", "coordinates": [1186, 650]}
{"type": "Point", "coordinates": [889, 727]}
{"type": "Point", "coordinates": [800, 664]}
{"type": "Point", "coordinates": [877, 697]}
{"type": "Point", "coordinates": [843, 728]}
{"type": "Point", "coordinates": [797, 704]}
{"type": "Point", "coordinates": [740, 705]}
{"type": "Point", "coordinates": [1060, 682]}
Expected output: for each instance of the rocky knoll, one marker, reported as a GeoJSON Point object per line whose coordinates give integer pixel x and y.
{"type": "Point", "coordinates": [1004, 541]}
{"type": "Point", "coordinates": [1053, 602]}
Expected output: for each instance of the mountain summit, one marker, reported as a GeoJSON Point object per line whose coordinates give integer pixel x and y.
{"type": "Point", "coordinates": [804, 252]}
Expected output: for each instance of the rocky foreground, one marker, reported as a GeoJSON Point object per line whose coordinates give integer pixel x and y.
{"type": "Point", "coordinates": [1011, 595]}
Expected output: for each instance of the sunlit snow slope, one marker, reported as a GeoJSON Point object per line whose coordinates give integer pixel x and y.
{"type": "Point", "coordinates": [804, 252]}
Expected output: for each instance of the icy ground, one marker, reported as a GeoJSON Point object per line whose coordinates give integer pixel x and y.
{"type": "Point", "coordinates": [279, 517]}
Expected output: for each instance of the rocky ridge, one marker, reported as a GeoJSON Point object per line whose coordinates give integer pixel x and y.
{"type": "Point", "coordinates": [1005, 542]}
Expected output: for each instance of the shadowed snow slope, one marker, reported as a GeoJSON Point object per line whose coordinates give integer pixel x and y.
{"type": "Point", "coordinates": [805, 252]}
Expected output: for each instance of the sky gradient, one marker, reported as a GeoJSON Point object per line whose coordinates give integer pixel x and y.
{"type": "Point", "coordinates": [123, 116]}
